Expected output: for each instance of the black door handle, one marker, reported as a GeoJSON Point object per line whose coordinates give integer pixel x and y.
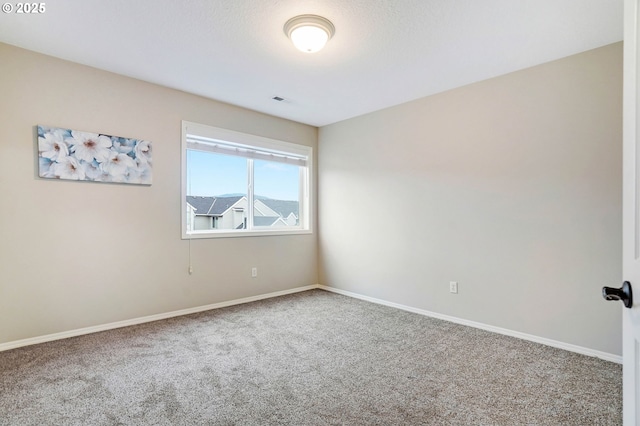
{"type": "Point", "coordinates": [623, 293]}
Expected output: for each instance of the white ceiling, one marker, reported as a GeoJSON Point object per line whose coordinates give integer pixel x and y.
{"type": "Point", "coordinates": [384, 52]}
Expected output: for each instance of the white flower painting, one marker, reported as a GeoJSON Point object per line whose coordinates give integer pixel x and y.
{"type": "Point", "coordinates": [75, 155]}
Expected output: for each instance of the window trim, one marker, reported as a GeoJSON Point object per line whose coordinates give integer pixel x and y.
{"type": "Point", "coordinates": [260, 143]}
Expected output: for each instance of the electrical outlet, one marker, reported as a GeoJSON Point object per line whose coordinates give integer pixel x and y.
{"type": "Point", "coordinates": [254, 272]}
{"type": "Point", "coordinates": [453, 286]}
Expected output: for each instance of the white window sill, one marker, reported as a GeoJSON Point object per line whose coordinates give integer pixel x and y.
{"type": "Point", "coordinates": [243, 234]}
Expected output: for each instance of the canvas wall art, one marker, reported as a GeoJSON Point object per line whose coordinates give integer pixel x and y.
{"type": "Point", "coordinates": [75, 155]}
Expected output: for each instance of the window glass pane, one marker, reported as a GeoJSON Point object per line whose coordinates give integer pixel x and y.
{"type": "Point", "coordinates": [276, 194]}
{"type": "Point", "coordinates": [235, 184]}
{"type": "Point", "coordinates": [216, 191]}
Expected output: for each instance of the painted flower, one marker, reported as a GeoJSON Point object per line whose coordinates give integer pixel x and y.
{"type": "Point", "coordinates": [143, 152]}
{"type": "Point", "coordinates": [116, 166]}
{"type": "Point", "coordinates": [122, 145]}
{"type": "Point", "coordinates": [92, 170]}
{"type": "Point", "coordinates": [44, 168]}
{"type": "Point", "coordinates": [128, 142]}
{"type": "Point", "coordinates": [52, 145]}
{"type": "Point", "coordinates": [68, 168]}
{"type": "Point", "coordinates": [144, 172]}
{"type": "Point", "coordinates": [89, 146]}
{"type": "Point", "coordinates": [132, 176]}
{"type": "Point", "coordinates": [141, 174]}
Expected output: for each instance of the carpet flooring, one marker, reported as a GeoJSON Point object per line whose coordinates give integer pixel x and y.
{"type": "Point", "coordinates": [311, 358]}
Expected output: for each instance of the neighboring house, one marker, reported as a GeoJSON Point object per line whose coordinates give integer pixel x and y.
{"type": "Point", "coordinates": [268, 221]}
{"type": "Point", "coordinates": [231, 212]}
{"type": "Point", "coordinates": [287, 210]}
{"type": "Point", "coordinates": [216, 212]}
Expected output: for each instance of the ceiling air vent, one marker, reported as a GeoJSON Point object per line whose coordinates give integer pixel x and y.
{"type": "Point", "coordinates": [278, 98]}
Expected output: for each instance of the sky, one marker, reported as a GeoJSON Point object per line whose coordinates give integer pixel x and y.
{"type": "Point", "coordinates": [215, 174]}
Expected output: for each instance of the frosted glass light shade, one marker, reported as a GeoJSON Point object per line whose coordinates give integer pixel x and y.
{"type": "Point", "coordinates": [309, 39]}
{"type": "Point", "coordinates": [309, 33]}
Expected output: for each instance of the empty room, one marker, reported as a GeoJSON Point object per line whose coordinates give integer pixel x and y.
{"type": "Point", "coordinates": [319, 212]}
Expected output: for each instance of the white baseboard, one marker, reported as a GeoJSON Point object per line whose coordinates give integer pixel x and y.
{"type": "Point", "coordinates": [88, 330]}
{"type": "Point", "coordinates": [537, 339]}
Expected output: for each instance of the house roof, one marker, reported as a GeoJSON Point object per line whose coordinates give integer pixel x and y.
{"type": "Point", "coordinates": [265, 220]}
{"type": "Point", "coordinates": [216, 206]}
{"type": "Point", "coordinates": [201, 205]}
{"type": "Point", "coordinates": [211, 206]}
{"type": "Point", "coordinates": [283, 207]}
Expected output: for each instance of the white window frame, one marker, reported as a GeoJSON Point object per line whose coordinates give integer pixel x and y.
{"type": "Point", "coordinates": [252, 146]}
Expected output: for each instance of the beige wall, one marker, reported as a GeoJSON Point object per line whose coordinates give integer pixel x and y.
{"type": "Point", "coordinates": [510, 186]}
{"type": "Point", "coordinates": [74, 255]}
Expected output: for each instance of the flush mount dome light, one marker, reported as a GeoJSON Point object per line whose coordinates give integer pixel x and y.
{"type": "Point", "coordinates": [309, 33]}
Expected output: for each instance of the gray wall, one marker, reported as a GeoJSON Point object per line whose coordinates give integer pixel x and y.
{"type": "Point", "coordinates": [74, 255]}
{"type": "Point", "coordinates": [510, 186]}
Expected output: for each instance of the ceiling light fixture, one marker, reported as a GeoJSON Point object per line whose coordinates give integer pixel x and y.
{"type": "Point", "coordinates": [309, 33]}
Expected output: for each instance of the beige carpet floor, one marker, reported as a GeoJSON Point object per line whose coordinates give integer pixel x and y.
{"type": "Point", "coordinates": [312, 358]}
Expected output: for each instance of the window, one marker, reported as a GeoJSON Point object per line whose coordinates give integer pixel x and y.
{"type": "Point", "coordinates": [235, 184]}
